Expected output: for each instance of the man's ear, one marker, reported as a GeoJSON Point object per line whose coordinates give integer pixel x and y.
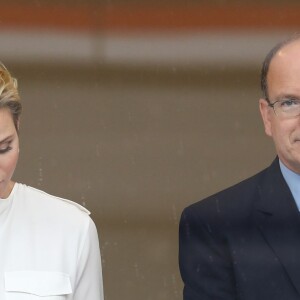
{"type": "Point", "coordinates": [265, 112]}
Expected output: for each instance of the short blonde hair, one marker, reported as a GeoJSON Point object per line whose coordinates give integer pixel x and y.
{"type": "Point", "coordinates": [9, 95]}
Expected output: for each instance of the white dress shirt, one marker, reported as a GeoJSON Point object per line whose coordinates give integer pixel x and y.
{"type": "Point", "coordinates": [49, 248]}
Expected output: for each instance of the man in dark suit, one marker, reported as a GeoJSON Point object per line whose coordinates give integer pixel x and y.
{"type": "Point", "coordinates": [244, 243]}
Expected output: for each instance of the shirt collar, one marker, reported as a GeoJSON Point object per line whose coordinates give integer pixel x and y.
{"type": "Point", "coordinates": [293, 181]}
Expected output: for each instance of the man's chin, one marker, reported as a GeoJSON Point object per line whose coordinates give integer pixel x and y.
{"type": "Point", "coordinates": [294, 165]}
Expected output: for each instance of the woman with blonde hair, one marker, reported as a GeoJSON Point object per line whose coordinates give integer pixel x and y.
{"type": "Point", "coordinates": [49, 246]}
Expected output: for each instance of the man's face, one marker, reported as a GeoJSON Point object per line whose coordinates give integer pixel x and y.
{"type": "Point", "coordinates": [283, 82]}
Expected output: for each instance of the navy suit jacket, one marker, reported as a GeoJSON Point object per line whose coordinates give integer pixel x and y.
{"type": "Point", "coordinates": [242, 243]}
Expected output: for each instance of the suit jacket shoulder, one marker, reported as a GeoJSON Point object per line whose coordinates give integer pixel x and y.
{"type": "Point", "coordinates": [236, 200]}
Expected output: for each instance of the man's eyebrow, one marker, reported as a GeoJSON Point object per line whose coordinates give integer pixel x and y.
{"type": "Point", "coordinates": [288, 96]}
{"type": "Point", "coordinates": [6, 139]}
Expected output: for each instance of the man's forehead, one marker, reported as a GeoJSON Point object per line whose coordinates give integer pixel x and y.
{"type": "Point", "coordinates": [287, 59]}
{"type": "Point", "coordinates": [284, 72]}
{"type": "Point", "coordinates": [289, 50]}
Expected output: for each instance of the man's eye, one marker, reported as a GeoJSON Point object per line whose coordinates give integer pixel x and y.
{"type": "Point", "coordinates": [290, 102]}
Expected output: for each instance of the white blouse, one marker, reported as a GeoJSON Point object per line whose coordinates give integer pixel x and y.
{"type": "Point", "coordinates": [49, 248]}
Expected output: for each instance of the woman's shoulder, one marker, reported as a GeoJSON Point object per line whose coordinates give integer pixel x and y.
{"type": "Point", "coordinates": [47, 219]}
{"type": "Point", "coordinates": [38, 202]}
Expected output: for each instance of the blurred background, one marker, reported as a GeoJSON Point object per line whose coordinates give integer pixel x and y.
{"type": "Point", "coordinates": [136, 109]}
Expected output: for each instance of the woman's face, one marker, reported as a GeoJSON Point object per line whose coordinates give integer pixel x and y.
{"type": "Point", "coordinates": [9, 151]}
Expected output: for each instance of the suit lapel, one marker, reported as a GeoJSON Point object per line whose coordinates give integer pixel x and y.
{"type": "Point", "coordinates": [278, 219]}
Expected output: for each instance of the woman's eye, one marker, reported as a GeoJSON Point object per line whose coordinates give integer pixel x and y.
{"type": "Point", "coordinates": [5, 148]}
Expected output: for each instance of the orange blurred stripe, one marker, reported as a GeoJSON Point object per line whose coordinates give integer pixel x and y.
{"type": "Point", "coordinates": [202, 17]}
{"type": "Point", "coordinates": [137, 17]}
{"type": "Point", "coordinates": [57, 17]}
